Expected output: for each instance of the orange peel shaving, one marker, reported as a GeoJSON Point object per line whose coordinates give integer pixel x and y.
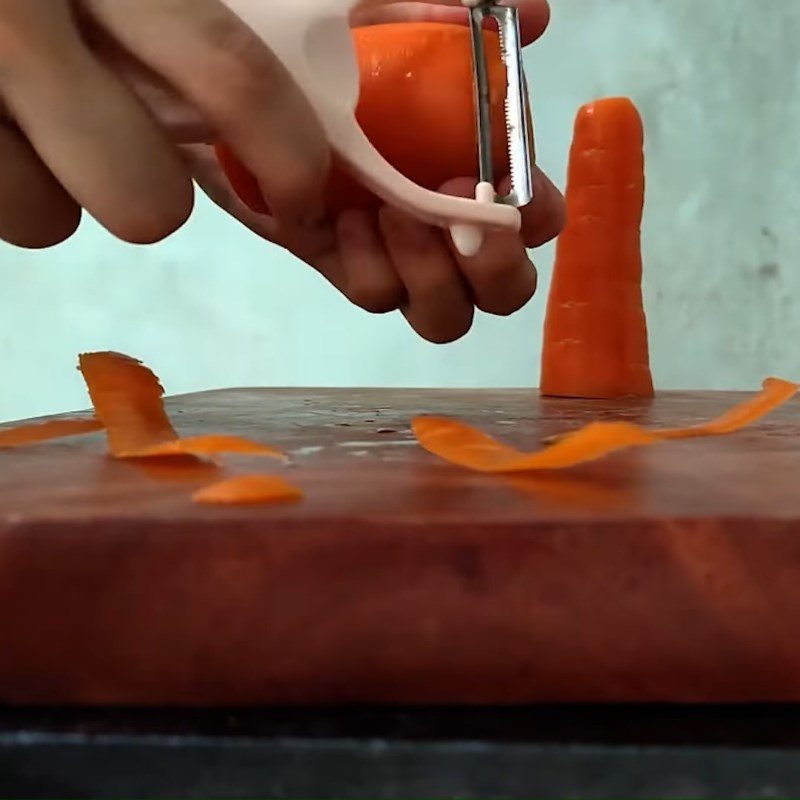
{"type": "Point", "coordinates": [34, 433]}
{"type": "Point", "coordinates": [128, 400]}
{"type": "Point", "coordinates": [205, 446]}
{"type": "Point", "coordinates": [248, 490]}
{"type": "Point", "coordinates": [774, 393]}
{"type": "Point", "coordinates": [467, 447]}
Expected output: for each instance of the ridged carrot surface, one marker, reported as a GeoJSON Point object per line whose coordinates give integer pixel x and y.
{"type": "Point", "coordinates": [595, 334]}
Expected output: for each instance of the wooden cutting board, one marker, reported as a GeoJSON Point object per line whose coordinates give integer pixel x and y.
{"type": "Point", "coordinates": [664, 574]}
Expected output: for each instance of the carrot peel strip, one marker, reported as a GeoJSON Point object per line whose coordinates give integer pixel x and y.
{"type": "Point", "coordinates": [212, 445]}
{"type": "Point", "coordinates": [467, 447]}
{"type": "Point", "coordinates": [774, 392]}
{"type": "Point", "coordinates": [47, 431]}
{"type": "Point", "coordinates": [248, 490]}
{"type": "Point", "coordinates": [128, 400]}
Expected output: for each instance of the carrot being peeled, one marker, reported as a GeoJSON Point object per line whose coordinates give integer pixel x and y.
{"type": "Point", "coordinates": [242, 181]}
{"type": "Point", "coordinates": [422, 70]}
{"type": "Point", "coordinates": [595, 333]}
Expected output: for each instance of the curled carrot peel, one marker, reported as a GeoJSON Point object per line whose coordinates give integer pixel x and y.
{"type": "Point", "coordinates": [460, 444]}
{"type": "Point", "coordinates": [248, 490]}
{"type": "Point", "coordinates": [467, 447]}
{"type": "Point", "coordinates": [21, 435]}
{"type": "Point", "coordinates": [128, 400]}
{"type": "Point", "coordinates": [774, 392]}
{"type": "Point", "coordinates": [595, 332]}
{"type": "Point", "coordinates": [205, 446]}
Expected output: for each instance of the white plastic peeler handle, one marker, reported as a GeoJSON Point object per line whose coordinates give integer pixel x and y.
{"type": "Point", "coordinates": [312, 38]}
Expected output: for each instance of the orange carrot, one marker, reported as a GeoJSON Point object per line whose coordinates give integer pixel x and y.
{"type": "Point", "coordinates": [36, 432]}
{"type": "Point", "coordinates": [127, 399]}
{"type": "Point", "coordinates": [424, 70]}
{"type": "Point", "coordinates": [462, 445]}
{"type": "Point", "coordinates": [241, 180]}
{"type": "Point", "coordinates": [212, 445]}
{"type": "Point", "coordinates": [774, 392]}
{"type": "Point", "coordinates": [595, 334]}
{"type": "Point", "coordinates": [248, 490]}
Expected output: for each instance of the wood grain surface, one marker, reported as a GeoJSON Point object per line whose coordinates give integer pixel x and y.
{"type": "Point", "coordinates": [664, 574]}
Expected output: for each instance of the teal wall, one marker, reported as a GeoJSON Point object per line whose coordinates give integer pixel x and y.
{"type": "Point", "coordinates": [718, 82]}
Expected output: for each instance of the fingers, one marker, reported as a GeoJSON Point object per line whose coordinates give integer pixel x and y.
{"type": "Point", "coordinates": [182, 122]}
{"type": "Point", "coordinates": [439, 306]}
{"type": "Point", "coordinates": [369, 277]}
{"type": "Point", "coordinates": [92, 134]}
{"type": "Point", "coordinates": [544, 218]}
{"type": "Point", "coordinates": [235, 81]}
{"type": "Point", "coordinates": [35, 211]}
{"type": "Point", "coordinates": [204, 167]}
{"type": "Point", "coordinates": [534, 14]}
{"type": "Point", "coordinates": [502, 277]}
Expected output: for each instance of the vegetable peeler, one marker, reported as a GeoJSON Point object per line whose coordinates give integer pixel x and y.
{"type": "Point", "coordinates": [312, 38]}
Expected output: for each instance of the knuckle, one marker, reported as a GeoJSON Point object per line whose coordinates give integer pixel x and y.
{"type": "Point", "coordinates": [295, 175]}
{"type": "Point", "coordinates": [228, 36]}
{"type": "Point", "coordinates": [245, 66]}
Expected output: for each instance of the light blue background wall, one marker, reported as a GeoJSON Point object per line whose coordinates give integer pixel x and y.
{"type": "Point", "coordinates": [718, 82]}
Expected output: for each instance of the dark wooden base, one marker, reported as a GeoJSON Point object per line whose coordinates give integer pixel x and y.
{"type": "Point", "coordinates": [671, 574]}
{"type": "Point", "coordinates": [598, 753]}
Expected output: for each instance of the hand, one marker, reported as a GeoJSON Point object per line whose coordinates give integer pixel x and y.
{"type": "Point", "coordinates": [94, 92]}
{"type": "Point", "coordinates": [387, 260]}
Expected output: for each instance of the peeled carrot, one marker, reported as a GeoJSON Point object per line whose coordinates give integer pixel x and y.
{"type": "Point", "coordinates": [248, 490]}
{"type": "Point", "coordinates": [416, 106]}
{"type": "Point", "coordinates": [467, 447]}
{"type": "Point", "coordinates": [595, 333]}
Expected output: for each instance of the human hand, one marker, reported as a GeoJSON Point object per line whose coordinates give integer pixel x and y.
{"type": "Point", "coordinates": [384, 260]}
{"type": "Point", "coordinates": [96, 94]}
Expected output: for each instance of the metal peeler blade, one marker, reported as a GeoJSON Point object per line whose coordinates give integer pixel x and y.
{"type": "Point", "coordinates": [518, 129]}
